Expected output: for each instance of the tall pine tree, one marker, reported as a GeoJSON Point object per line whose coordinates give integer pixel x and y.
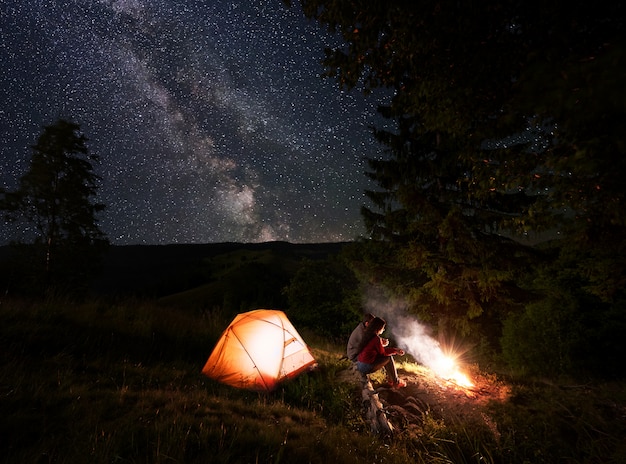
{"type": "Point", "coordinates": [54, 211]}
{"type": "Point", "coordinates": [509, 123]}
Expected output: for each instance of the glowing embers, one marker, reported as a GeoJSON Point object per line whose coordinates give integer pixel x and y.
{"type": "Point", "coordinates": [447, 368]}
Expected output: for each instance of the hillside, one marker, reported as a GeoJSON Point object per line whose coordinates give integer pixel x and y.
{"type": "Point", "coordinates": [160, 270]}
{"type": "Point", "coordinates": [103, 383]}
{"type": "Point", "coordinates": [118, 379]}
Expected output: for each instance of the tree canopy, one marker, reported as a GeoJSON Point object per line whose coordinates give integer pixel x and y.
{"type": "Point", "coordinates": [508, 130]}
{"type": "Point", "coordinates": [504, 96]}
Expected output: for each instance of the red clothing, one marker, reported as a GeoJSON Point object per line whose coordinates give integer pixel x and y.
{"type": "Point", "coordinates": [374, 349]}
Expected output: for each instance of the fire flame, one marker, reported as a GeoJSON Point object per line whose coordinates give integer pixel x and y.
{"type": "Point", "coordinates": [447, 368]}
{"type": "Point", "coordinates": [443, 361]}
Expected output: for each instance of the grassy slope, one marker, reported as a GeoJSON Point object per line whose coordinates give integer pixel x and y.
{"type": "Point", "coordinates": [120, 382]}
{"type": "Point", "coordinates": [103, 383]}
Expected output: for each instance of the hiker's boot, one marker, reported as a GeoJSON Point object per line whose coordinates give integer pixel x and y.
{"type": "Point", "coordinates": [398, 384]}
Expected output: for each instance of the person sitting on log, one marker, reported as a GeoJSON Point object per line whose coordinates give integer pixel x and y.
{"type": "Point", "coordinates": [377, 354]}
{"type": "Point", "coordinates": [357, 339]}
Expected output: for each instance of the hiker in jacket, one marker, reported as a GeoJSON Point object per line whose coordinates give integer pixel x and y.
{"type": "Point", "coordinates": [357, 339]}
{"type": "Point", "coordinates": [377, 354]}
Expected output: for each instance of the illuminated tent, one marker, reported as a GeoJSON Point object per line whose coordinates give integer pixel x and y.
{"type": "Point", "coordinates": [258, 350]}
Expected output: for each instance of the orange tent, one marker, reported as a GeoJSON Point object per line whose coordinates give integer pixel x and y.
{"type": "Point", "coordinates": [258, 350]}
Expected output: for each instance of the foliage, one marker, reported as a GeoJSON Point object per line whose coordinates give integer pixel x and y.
{"type": "Point", "coordinates": [245, 278]}
{"type": "Point", "coordinates": [505, 122]}
{"type": "Point", "coordinates": [546, 423]}
{"type": "Point", "coordinates": [542, 339]}
{"type": "Point", "coordinates": [54, 202]}
{"type": "Point", "coordinates": [324, 296]}
{"type": "Point", "coordinates": [469, 82]}
{"type": "Point", "coordinates": [570, 329]}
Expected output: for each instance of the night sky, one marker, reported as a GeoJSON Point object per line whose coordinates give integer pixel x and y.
{"type": "Point", "coordinates": [210, 117]}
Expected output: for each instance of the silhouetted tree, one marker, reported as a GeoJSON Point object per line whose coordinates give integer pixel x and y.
{"type": "Point", "coordinates": [54, 208]}
{"type": "Point", "coordinates": [507, 120]}
{"type": "Point", "coordinates": [510, 113]}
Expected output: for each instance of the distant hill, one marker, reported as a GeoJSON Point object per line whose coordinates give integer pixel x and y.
{"type": "Point", "coordinates": [160, 271]}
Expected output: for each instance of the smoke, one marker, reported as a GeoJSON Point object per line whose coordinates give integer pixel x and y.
{"type": "Point", "coordinates": [409, 334]}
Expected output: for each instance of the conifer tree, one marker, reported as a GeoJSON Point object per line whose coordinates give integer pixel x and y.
{"type": "Point", "coordinates": [509, 122]}
{"type": "Point", "coordinates": [53, 207]}
{"type": "Point", "coordinates": [442, 256]}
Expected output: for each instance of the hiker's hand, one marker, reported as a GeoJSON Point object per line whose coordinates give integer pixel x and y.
{"type": "Point", "coordinates": [385, 341]}
{"type": "Point", "coordinates": [399, 352]}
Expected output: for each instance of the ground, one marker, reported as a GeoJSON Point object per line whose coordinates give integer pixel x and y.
{"type": "Point", "coordinates": [427, 394]}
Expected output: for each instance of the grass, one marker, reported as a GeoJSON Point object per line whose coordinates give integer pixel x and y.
{"type": "Point", "coordinates": [102, 382]}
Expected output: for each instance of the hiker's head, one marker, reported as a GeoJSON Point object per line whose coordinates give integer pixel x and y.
{"type": "Point", "coordinates": [377, 325]}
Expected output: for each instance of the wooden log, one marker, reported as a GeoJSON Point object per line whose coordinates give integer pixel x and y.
{"type": "Point", "coordinates": [375, 415]}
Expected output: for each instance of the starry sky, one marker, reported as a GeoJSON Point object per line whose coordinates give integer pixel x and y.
{"type": "Point", "coordinates": [211, 118]}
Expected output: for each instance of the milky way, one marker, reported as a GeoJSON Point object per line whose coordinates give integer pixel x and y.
{"type": "Point", "coordinates": [210, 118]}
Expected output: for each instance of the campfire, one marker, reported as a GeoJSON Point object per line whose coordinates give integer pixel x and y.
{"type": "Point", "coordinates": [448, 369]}
{"type": "Point", "coordinates": [443, 361]}
{"type": "Point", "coordinates": [448, 372]}
{"type": "Point", "coordinates": [439, 382]}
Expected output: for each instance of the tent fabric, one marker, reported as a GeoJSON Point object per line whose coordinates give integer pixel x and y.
{"type": "Point", "coordinates": [258, 350]}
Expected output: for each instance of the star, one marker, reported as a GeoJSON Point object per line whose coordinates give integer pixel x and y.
{"type": "Point", "coordinates": [211, 119]}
